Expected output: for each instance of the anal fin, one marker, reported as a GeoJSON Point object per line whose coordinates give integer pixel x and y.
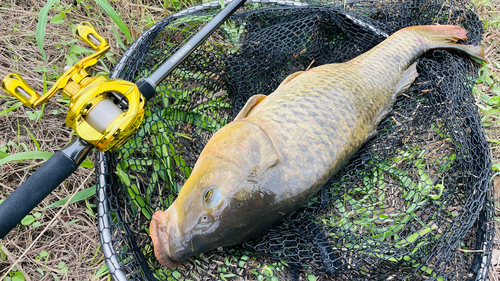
{"type": "Point", "coordinates": [408, 77]}
{"type": "Point", "coordinates": [404, 83]}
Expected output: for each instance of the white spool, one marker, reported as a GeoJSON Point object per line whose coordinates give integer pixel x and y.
{"type": "Point", "coordinates": [102, 115]}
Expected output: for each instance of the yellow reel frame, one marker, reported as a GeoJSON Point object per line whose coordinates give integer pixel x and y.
{"type": "Point", "coordinates": [85, 93]}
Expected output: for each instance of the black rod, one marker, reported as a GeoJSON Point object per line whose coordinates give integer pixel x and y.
{"type": "Point", "coordinates": [41, 183]}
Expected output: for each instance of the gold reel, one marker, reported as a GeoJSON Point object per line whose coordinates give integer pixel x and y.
{"type": "Point", "coordinates": [97, 111]}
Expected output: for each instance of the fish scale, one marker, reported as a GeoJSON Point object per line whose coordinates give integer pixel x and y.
{"type": "Point", "coordinates": [281, 149]}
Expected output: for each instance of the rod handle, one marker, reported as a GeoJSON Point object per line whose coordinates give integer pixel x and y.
{"type": "Point", "coordinates": [41, 183]}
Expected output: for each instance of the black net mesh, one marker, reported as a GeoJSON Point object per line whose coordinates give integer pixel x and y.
{"type": "Point", "coordinates": [414, 203]}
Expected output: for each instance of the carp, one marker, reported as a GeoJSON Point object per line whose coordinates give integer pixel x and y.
{"type": "Point", "coordinates": [282, 148]}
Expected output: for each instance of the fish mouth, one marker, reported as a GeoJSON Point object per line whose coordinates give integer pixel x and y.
{"type": "Point", "coordinates": [160, 241]}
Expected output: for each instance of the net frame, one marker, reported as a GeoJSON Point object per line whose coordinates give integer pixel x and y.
{"type": "Point", "coordinates": [484, 227]}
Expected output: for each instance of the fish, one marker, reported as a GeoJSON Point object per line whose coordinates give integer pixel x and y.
{"type": "Point", "coordinates": [282, 148]}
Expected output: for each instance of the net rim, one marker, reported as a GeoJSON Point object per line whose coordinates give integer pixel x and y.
{"type": "Point", "coordinates": [103, 199]}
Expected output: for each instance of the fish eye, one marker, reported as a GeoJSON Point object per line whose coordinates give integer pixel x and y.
{"type": "Point", "coordinates": [212, 196]}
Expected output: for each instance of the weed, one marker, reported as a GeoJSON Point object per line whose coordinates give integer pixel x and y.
{"type": "Point", "coordinates": [32, 155]}
{"type": "Point", "coordinates": [103, 270]}
{"type": "Point", "coordinates": [79, 196]}
{"type": "Point", "coordinates": [34, 115]}
{"type": "Point", "coordinates": [10, 106]}
{"type": "Point", "coordinates": [44, 255]}
{"type": "Point", "coordinates": [3, 256]}
{"type": "Point", "coordinates": [32, 220]}
{"type": "Point", "coordinates": [15, 275]}
{"type": "Point", "coordinates": [362, 211]}
{"type": "Point", "coordinates": [63, 267]}
{"type": "Point", "coordinates": [40, 27]}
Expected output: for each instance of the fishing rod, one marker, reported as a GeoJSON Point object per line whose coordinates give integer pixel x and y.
{"type": "Point", "coordinates": [103, 112]}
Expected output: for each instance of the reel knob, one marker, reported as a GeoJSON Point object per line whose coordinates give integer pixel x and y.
{"type": "Point", "coordinates": [86, 32]}
{"type": "Point", "coordinates": [15, 85]}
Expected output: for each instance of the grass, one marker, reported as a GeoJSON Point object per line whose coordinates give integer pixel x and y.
{"type": "Point", "coordinates": [487, 92]}
{"type": "Point", "coordinates": [69, 248]}
{"type": "Point", "coordinates": [61, 236]}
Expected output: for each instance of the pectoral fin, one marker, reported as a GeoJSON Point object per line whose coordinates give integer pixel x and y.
{"type": "Point", "coordinates": [244, 144]}
{"type": "Point", "coordinates": [290, 78]}
{"type": "Point", "coordinates": [251, 103]}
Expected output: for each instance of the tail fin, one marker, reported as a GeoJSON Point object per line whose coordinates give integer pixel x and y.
{"type": "Point", "coordinates": [445, 37]}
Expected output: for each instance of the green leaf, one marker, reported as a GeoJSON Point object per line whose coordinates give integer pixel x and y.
{"type": "Point", "coordinates": [118, 39]}
{"type": "Point", "coordinates": [29, 219]}
{"type": "Point", "coordinates": [62, 266]}
{"type": "Point", "coordinates": [33, 138]}
{"type": "Point", "coordinates": [103, 270]}
{"type": "Point", "coordinates": [40, 27]}
{"type": "Point", "coordinates": [29, 155]}
{"type": "Point", "coordinates": [18, 276]}
{"type": "Point", "coordinates": [57, 19]}
{"type": "Point", "coordinates": [79, 196]}
{"type": "Point", "coordinates": [44, 254]}
{"type": "Point", "coordinates": [79, 50]}
{"type": "Point", "coordinates": [87, 164]}
{"type": "Point", "coordinates": [72, 222]}
{"type": "Point", "coordinates": [494, 100]}
{"type": "Point", "coordinates": [40, 271]}
{"type": "Point", "coordinates": [116, 18]}
{"type": "Point", "coordinates": [56, 278]}
{"type": "Point", "coordinates": [122, 175]}
{"type": "Point", "coordinates": [9, 109]}
{"type": "Point", "coordinates": [496, 167]}
{"type": "Point", "coordinates": [32, 155]}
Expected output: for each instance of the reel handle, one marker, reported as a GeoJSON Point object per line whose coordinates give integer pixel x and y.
{"type": "Point", "coordinates": [75, 78]}
{"type": "Point", "coordinates": [31, 192]}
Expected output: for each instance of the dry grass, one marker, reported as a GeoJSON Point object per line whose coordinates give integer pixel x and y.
{"type": "Point", "coordinates": [491, 42]}
{"type": "Point", "coordinates": [77, 244]}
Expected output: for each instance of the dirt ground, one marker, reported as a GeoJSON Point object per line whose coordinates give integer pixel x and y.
{"type": "Point", "coordinates": [62, 243]}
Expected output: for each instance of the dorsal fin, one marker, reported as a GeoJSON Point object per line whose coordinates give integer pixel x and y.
{"type": "Point", "coordinates": [251, 103]}
{"type": "Point", "coordinates": [290, 78]}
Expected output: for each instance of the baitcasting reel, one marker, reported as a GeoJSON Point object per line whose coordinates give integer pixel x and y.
{"type": "Point", "coordinates": [104, 112]}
